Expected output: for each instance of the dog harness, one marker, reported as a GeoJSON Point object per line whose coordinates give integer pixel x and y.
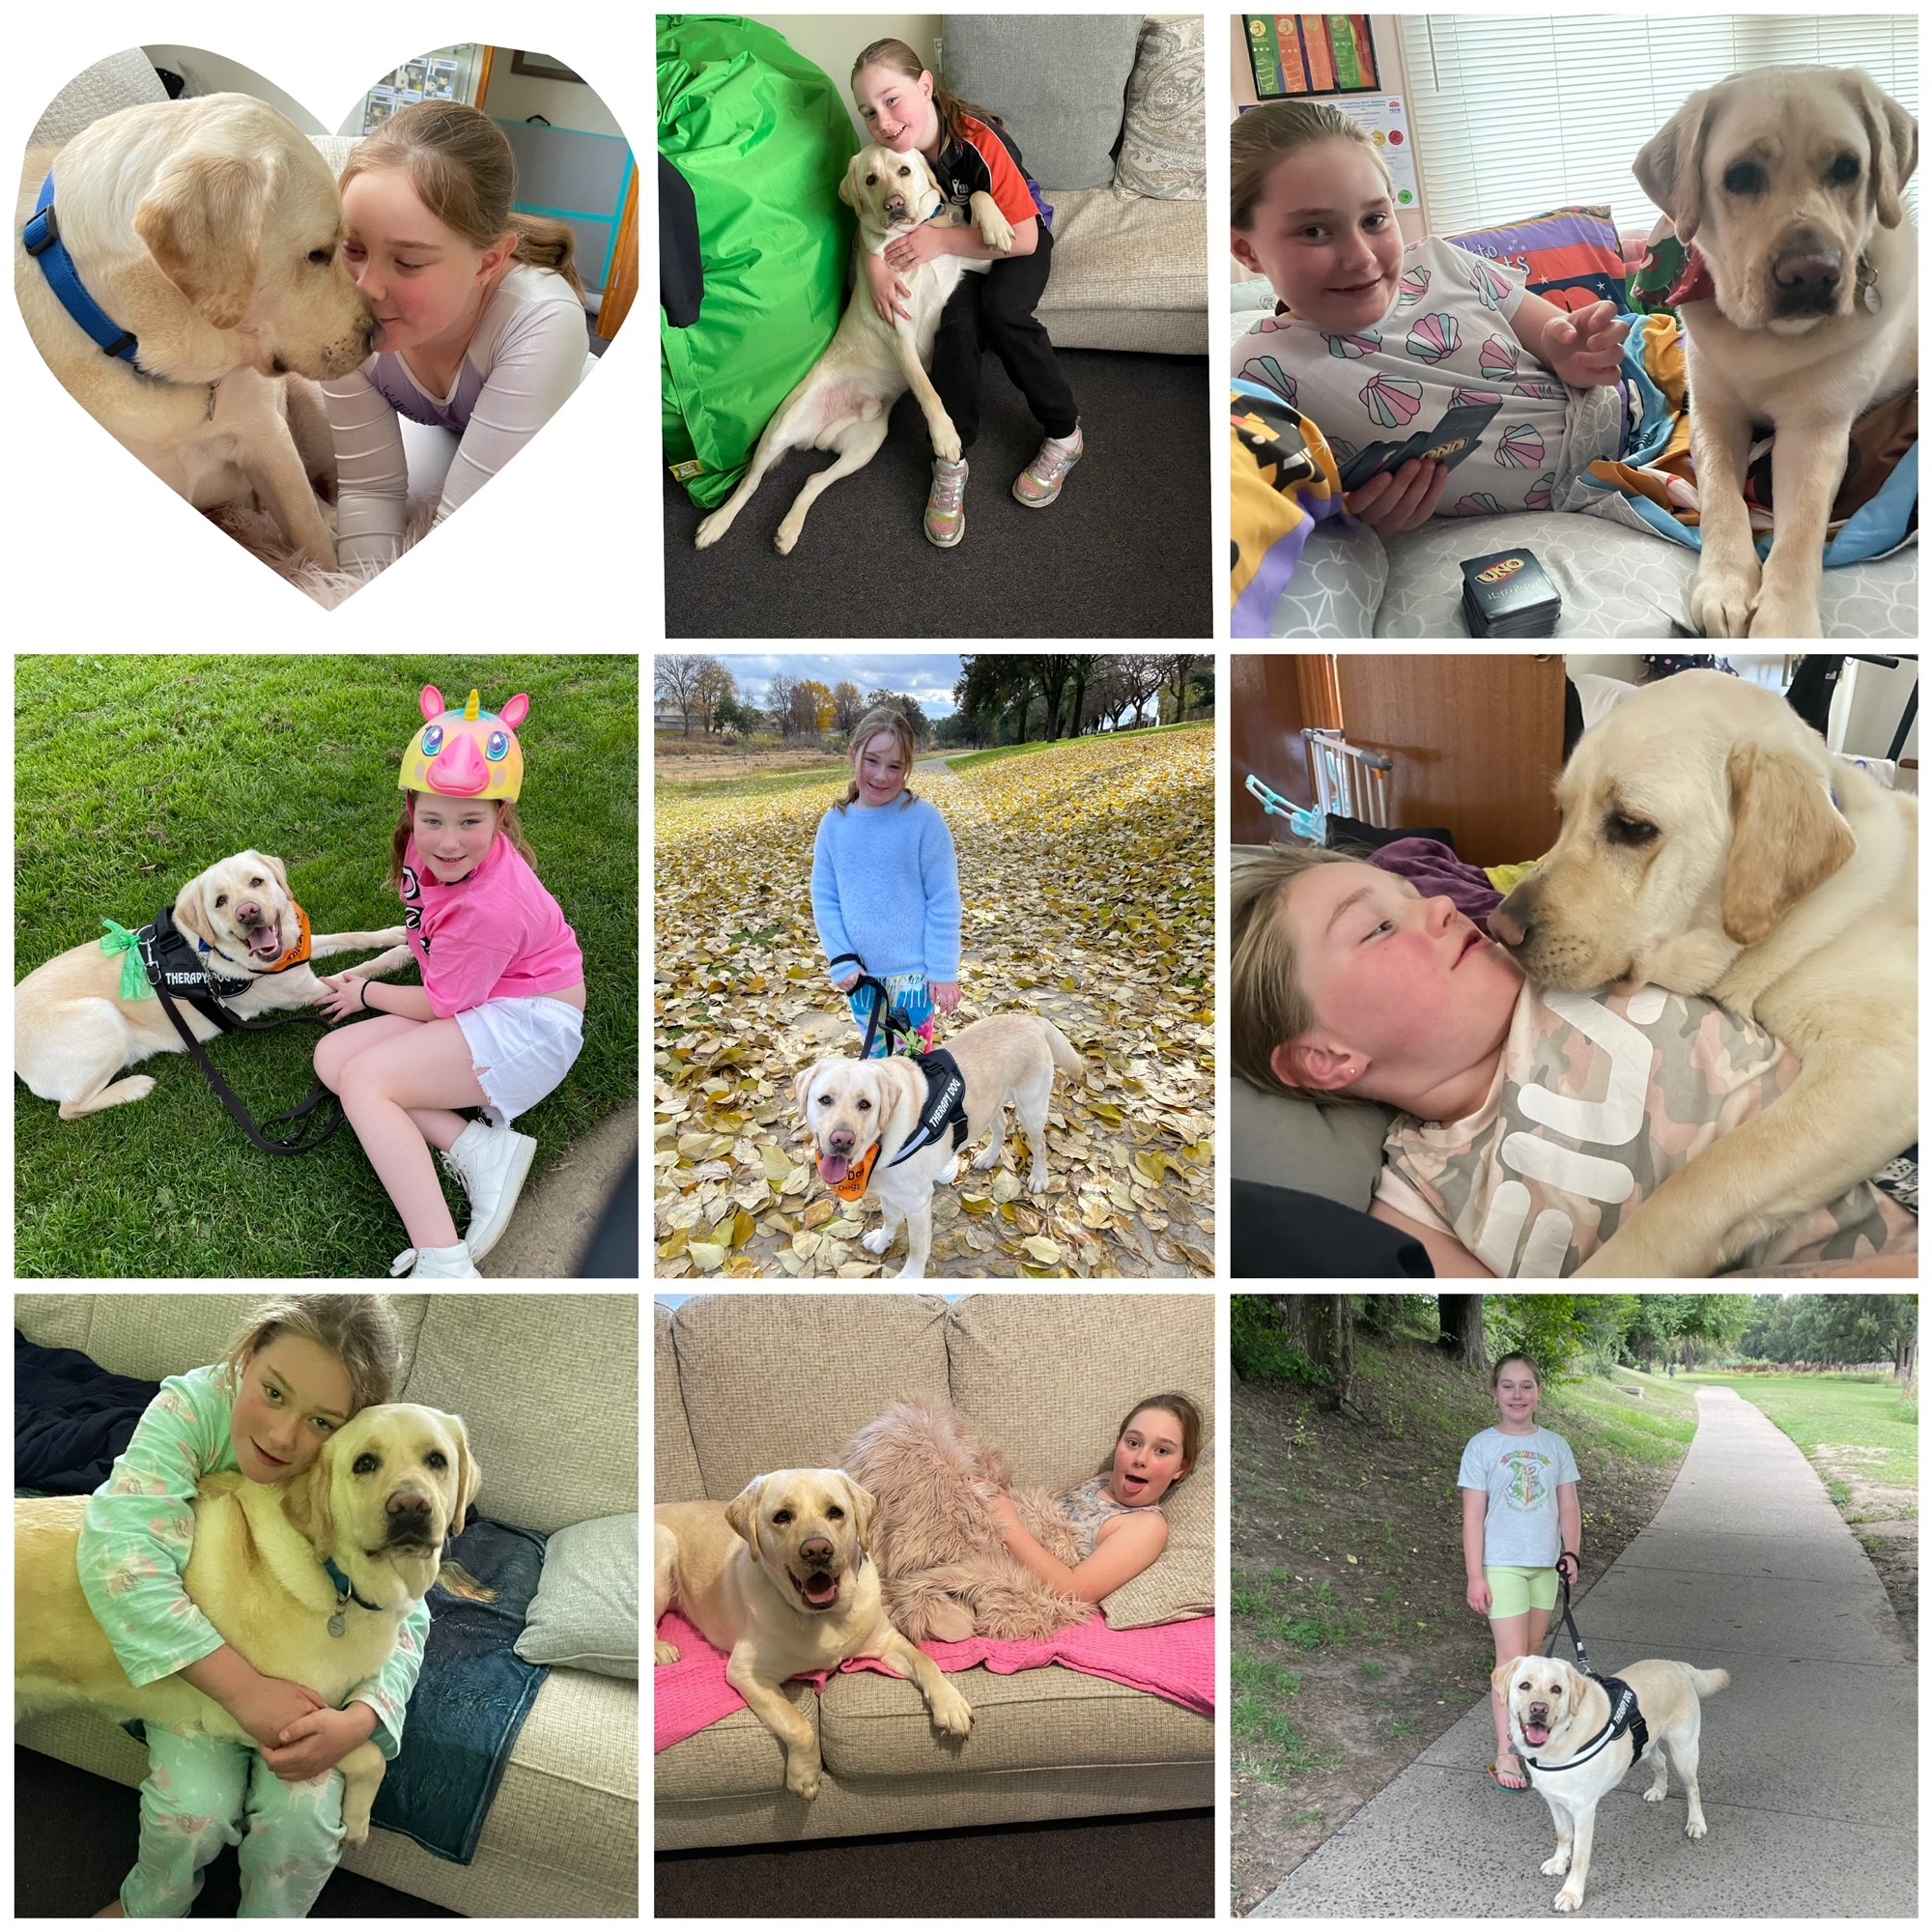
{"type": "Point", "coordinates": [944, 1113]}
{"type": "Point", "coordinates": [1626, 1715]}
{"type": "Point", "coordinates": [169, 959]}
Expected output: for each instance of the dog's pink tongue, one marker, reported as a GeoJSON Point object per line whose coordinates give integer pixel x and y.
{"type": "Point", "coordinates": [266, 941]}
{"type": "Point", "coordinates": [1536, 1734]}
{"type": "Point", "coordinates": [833, 1168]}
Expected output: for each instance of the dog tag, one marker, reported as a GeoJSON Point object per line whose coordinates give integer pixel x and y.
{"type": "Point", "coordinates": [338, 1625]}
{"type": "Point", "coordinates": [1871, 298]}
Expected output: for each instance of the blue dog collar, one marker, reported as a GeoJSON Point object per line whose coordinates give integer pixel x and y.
{"type": "Point", "coordinates": [42, 239]}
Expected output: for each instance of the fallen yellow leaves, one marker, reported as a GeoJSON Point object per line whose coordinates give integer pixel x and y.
{"type": "Point", "coordinates": [1087, 875]}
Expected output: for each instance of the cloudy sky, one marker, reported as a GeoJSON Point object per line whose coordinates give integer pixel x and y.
{"type": "Point", "coordinates": [923, 675]}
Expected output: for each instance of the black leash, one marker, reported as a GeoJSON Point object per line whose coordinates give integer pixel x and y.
{"type": "Point", "coordinates": [1626, 1714]}
{"type": "Point", "coordinates": [1567, 1621]}
{"type": "Point", "coordinates": [305, 1139]}
{"type": "Point", "coordinates": [895, 1025]}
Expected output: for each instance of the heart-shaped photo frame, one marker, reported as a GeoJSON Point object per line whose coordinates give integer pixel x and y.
{"type": "Point", "coordinates": [326, 343]}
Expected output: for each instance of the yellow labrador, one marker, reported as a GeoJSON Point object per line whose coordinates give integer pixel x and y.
{"type": "Point", "coordinates": [210, 231]}
{"type": "Point", "coordinates": [1788, 180]}
{"type": "Point", "coordinates": [862, 1114]}
{"type": "Point", "coordinates": [388, 1489]}
{"type": "Point", "coordinates": [1711, 844]}
{"type": "Point", "coordinates": [846, 401]}
{"type": "Point", "coordinates": [74, 1031]}
{"type": "Point", "coordinates": [1560, 1725]}
{"type": "Point", "coordinates": [779, 1578]}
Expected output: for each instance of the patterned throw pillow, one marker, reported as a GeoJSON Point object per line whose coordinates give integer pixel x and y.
{"type": "Point", "coordinates": [1164, 142]}
{"type": "Point", "coordinates": [1571, 255]}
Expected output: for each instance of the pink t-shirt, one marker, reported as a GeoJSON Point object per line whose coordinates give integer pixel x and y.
{"type": "Point", "coordinates": [495, 935]}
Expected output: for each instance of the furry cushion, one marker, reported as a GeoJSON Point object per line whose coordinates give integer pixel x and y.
{"type": "Point", "coordinates": [947, 1574]}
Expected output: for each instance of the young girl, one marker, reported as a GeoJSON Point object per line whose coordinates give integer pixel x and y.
{"type": "Point", "coordinates": [299, 1369]}
{"type": "Point", "coordinates": [1521, 1525]}
{"type": "Point", "coordinates": [498, 1018]}
{"type": "Point", "coordinates": [1376, 341]}
{"type": "Point", "coordinates": [1116, 1515]}
{"type": "Point", "coordinates": [1532, 1121]}
{"type": "Point", "coordinates": [971, 152]}
{"type": "Point", "coordinates": [885, 886]}
{"type": "Point", "coordinates": [481, 311]}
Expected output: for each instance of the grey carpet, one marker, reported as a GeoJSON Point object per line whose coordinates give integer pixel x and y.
{"type": "Point", "coordinates": [1156, 1864]}
{"type": "Point", "coordinates": [1125, 552]}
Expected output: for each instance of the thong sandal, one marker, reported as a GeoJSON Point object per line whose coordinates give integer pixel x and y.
{"type": "Point", "coordinates": [1500, 1781]}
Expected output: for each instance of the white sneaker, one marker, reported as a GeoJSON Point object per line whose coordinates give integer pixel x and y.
{"type": "Point", "coordinates": [491, 1163]}
{"type": "Point", "coordinates": [437, 1263]}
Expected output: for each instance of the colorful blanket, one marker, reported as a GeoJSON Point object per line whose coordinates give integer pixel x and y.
{"type": "Point", "coordinates": [1654, 485]}
{"type": "Point", "coordinates": [1285, 483]}
{"type": "Point", "coordinates": [1170, 1660]}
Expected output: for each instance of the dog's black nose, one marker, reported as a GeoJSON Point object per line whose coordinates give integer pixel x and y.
{"type": "Point", "coordinates": [1506, 926]}
{"type": "Point", "coordinates": [817, 1550]}
{"type": "Point", "coordinates": [1808, 278]}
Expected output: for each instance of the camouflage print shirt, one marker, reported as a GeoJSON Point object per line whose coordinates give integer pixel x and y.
{"type": "Point", "coordinates": [1599, 1100]}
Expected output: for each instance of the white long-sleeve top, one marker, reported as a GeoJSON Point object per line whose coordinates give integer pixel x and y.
{"type": "Point", "coordinates": [525, 360]}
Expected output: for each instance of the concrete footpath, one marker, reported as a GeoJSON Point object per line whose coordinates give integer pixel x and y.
{"type": "Point", "coordinates": [1809, 1759]}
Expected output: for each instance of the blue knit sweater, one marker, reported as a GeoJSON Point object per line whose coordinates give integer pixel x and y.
{"type": "Point", "coordinates": [885, 884]}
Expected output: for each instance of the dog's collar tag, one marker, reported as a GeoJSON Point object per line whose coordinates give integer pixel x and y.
{"type": "Point", "coordinates": [345, 1595]}
{"type": "Point", "coordinates": [1868, 286]}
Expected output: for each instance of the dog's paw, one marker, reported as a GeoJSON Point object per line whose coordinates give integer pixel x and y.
{"type": "Point", "coordinates": [1696, 1829]}
{"type": "Point", "coordinates": [1722, 599]}
{"type": "Point", "coordinates": [668, 1653]}
{"type": "Point", "coordinates": [1656, 1795]}
{"type": "Point", "coordinates": [946, 440]}
{"type": "Point", "coordinates": [951, 1713]}
{"type": "Point", "coordinates": [1037, 1177]}
{"type": "Point", "coordinates": [801, 1780]}
{"type": "Point", "coordinates": [712, 529]}
{"type": "Point", "coordinates": [877, 1242]}
{"type": "Point", "coordinates": [1555, 1867]}
{"type": "Point", "coordinates": [951, 1170]}
{"type": "Point", "coordinates": [986, 1162]}
{"type": "Point", "coordinates": [1568, 1900]}
{"type": "Point", "coordinates": [1781, 617]}
{"type": "Point", "coordinates": [789, 535]}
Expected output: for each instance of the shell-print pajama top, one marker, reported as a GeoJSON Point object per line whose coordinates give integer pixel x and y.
{"type": "Point", "coordinates": [138, 1530]}
{"type": "Point", "coordinates": [1446, 342]}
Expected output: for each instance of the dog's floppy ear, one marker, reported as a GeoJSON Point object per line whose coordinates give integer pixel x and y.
{"type": "Point", "coordinates": [865, 1504]}
{"type": "Point", "coordinates": [1892, 135]}
{"type": "Point", "coordinates": [1669, 167]}
{"type": "Point", "coordinates": [468, 1476]}
{"type": "Point", "coordinates": [801, 1084]}
{"type": "Point", "coordinates": [307, 1501]}
{"type": "Point", "coordinates": [202, 220]}
{"type": "Point", "coordinates": [742, 1513]}
{"type": "Point", "coordinates": [1500, 1676]}
{"type": "Point", "coordinates": [1786, 840]}
{"type": "Point", "coordinates": [191, 909]}
{"type": "Point", "coordinates": [280, 871]}
{"type": "Point", "coordinates": [848, 187]}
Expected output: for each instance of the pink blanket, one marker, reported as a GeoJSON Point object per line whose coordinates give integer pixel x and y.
{"type": "Point", "coordinates": [1172, 1661]}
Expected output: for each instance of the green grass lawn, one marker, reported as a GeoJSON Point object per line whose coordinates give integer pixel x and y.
{"type": "Point", "coordinates": [968, 760]}
{"type": "Point", "coordinates": [134, 774]}
{"type": "Point", "coordinates": [1860, 1412]}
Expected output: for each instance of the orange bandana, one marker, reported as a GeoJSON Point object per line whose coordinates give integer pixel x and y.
{"type": "Point", "coordinates": [853, 1186]}
{"type": "Point", "coordinates": [300, 951]}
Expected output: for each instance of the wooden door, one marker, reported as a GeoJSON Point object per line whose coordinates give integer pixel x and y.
{"type": "Point", "coordinates": [1477, 743]}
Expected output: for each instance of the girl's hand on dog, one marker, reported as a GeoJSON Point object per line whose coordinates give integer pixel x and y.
{"type": "Point", "coordinates": [946, 995]}
{"type": "Point", "coordinates": [271, 1705]}
{"type": "Point", "coordinates": [1400, 499]}
{"type": "Point", "coordinates": [906, 252]}
{"type": "Point", "coordinates": [344, 996]}
{"type": "Point", "coordinates": [318, 1743]}
{"type": "Point", "coordinates": [892, 300]}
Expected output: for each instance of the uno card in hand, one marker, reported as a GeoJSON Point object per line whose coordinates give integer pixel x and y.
{"type": "Point", "coordinates": [1449, 443]}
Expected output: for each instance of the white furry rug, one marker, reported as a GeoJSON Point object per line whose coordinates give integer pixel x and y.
{"type": "Point", "coordinates": [259, 534]}
{"type": "Point", "coordinates": [947, 1574]}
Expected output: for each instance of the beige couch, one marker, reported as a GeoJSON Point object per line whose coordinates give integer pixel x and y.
{"type": "Point", "coordinates": [546, 1386]}
{"type": "Point", "coordinates": [746, 1383]}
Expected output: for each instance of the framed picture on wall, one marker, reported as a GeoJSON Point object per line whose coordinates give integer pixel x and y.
{"type": "Point", "coordinates": [1311, 54]}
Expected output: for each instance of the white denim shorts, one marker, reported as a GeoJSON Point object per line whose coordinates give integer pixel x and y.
{"type": "Point", "coordinates": [520, 1050]}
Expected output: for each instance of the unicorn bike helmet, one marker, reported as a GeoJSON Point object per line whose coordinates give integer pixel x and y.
{"type": "Point", "coordinates": [467, 754]}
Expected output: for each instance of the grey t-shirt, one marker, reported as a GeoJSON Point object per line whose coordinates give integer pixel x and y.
{"type": "Point", "coordinates": [1520, 1475]}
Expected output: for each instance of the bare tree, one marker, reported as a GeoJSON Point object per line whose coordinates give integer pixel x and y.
{"type": "Point", "coordinates": [677, 678]}
{"type": "Point", "coordinates": [715, 686]}
{"type": "Point", "coordinates": [778, 689]}
{"type": "Point", "coordinates": [1178, 669]}
{"type": "Point", "coordinates": [1144, 673]}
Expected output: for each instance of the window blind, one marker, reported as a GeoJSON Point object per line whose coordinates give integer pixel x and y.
{"type": "Point", "coordinates": [1512, 115]}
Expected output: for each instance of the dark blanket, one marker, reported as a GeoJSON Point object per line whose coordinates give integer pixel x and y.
{"type": "Point", "coordinates": [1435, 871]}
{"type": "Point", "coordinates": [71, 1419]}
{"type": "Point", "coordinates": [1280, 1232]}
{"type": "Point", "coordinates": [472, 1696]}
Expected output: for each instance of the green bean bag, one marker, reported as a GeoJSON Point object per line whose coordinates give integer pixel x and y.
{"type": "Point", "coordinates": [762, 136]}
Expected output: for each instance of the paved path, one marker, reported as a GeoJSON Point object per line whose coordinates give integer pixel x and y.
{"type": "Point", "coordinates": [558, 1211]}
{"type": "Point", "coordinates": [1810, 1760]}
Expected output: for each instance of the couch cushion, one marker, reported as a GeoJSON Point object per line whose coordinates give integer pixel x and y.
{"type": "Point", "coordinates": [675, 1472]}
{"type": "Point", "coordinates": [1164, 140]}
{"type": "Point", "coordinates": [1127, 274]}
{"type": "Point", "coordinates": [1058, 82]}
{"type": "Point", "coordinates": [735, 1757]}
{"type": "Point", "coordinates": [1050, 1718]}
{"type": "Point", "coordinates": [585, 1613]}
{"type": "Point", "coordinates": [1049, 1377]}
{"type": "Point", "coordinates": [781, 1381]}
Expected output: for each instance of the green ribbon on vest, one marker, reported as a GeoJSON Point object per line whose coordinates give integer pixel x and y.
{"type": "Point", "coordinates": [133, 973]}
